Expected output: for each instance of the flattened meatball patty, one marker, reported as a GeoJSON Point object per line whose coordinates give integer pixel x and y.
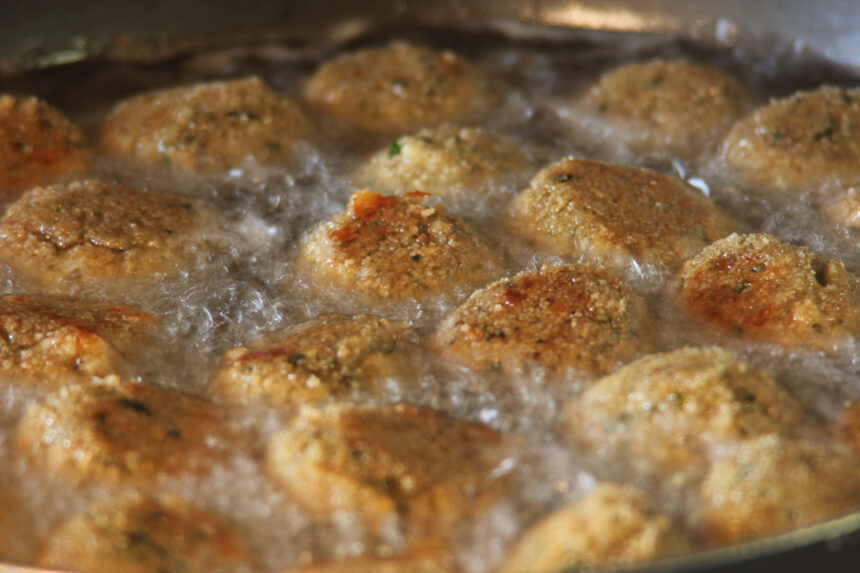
{"type": "Point", "coordinates": [446, 161]}
{"type": "Point", "coordinates": [38, 144]}
{"type": "Point", "coordinates": [418, 464]}
{"type": "Point", "coordinates": [616, 213]}
{"type": "Point", "coordinates": [397, 248]}
{"type": "Point", "coordinates": [136, 534]}
{"type": "Point", "coordinates": [50, 341]}
{"type": "Point", "coordinates": [844, 210]}
{"type": "Point", "coordinates": [66, 236]}
{"type": "Point", "coordinates": [669, 106]}
{"type": "Point", "coordinates": [771, 484]}
{"type": "Point", "coordinates": [558, 317]}
{"type": "Point", "coordinates": [758, 286]}
{"type": "Point", "coordinates": [800, 142]}
{"type": "Point", "coordinates": [614, 526]}
{"type": "Point", "coordinates": [123, 433]}
{"type": "Point", "coordinates": [398, 88]}
{"type": "Point", "coordinates": [669, 408]}
{"type": "Point", "coordinates": [326, 358]}
{"type": "Point", "coordinates": [207, 127]}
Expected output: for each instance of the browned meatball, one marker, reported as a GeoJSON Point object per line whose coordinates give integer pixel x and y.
{"type": "Point", "coordinates": [771, 484]}
{"type": "Point", "coordinates": [66, 236]}
{"type": "Point", "coordinates": [556, 318]}
{"type": "Point", "coordinates": [208, 127]}
{"type": "Point", "coordinates": [398, 88]}
{"type": "Point", "coordinates": [136, 534]}
{"type": "Point", "coordinates": [397, 248]}
{"type": "Point", "coordinates": [326, 358]}
{"type": "Point", "coordinates": [123, 433]}
{"type": "Point", "coordinates": [445, 161]}
{"type": "Point", "coordinates": [670, 106]}
{"type": "Point", "coordinates": [613, 526]}
{"type": "Point", "coordinates": [758, 286]}
{"type": "Point", "coordinates": [670, 408]}
{"type": "Point", "coordinates": [417, 464]}
{"type": "Point", "coordinates": [800, 142]}
{"type": "Point", "coordinates": [844, 209]}
{"type": "Point", "coordinates": [849, 426]}
{"type": "Point", "coordinates": [50, 341]}
{"type": "Point", "coordinates": [616, 213]}
{"type": "Point", "coordinates": [38, 145]}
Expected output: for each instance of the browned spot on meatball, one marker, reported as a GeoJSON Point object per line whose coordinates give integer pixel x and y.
{"type": "Point", "coordinates": [38, 145]}
{"type": "Point", "coordinates": [397, 248]}
{"type": "Point", "coordinates": [556, 318]}
{"type": "Point", "coordinates": [669, 106]}
{"type": "Point", "coordinates": [849, 426]}
{"type": "Point", "coordinates": [417, 464]}
{"type": "Point", "coordinates": [770, 485]}
{"type": "Point", "coordinates": [613, 526]}
{"type": "Point", "coordinates": [66, 236]}
{"type": "Point", "coordinates": [137, 534]}
{"type": "Point", "coordinates": [398, 88]}
{"type": "Point", "coordinates": [616, 213]}
{"type": "Point", "coordinates": [760, 287]}
{"type": "Point", "coordinates": [125, 433]}
{"type": "Point", "coordinates": [799, 142]}
{"type": "Point", "coordinates": [207, 128]}
{"type": "Point", "coordinates": [51, 341]}
{"type": "Point", "coordinates": [672, 408]}
{"type": "Point", "coordinates": [324, 359]}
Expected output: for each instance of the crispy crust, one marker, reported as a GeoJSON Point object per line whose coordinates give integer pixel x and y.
{"type": "Point", "coordinates": [558, 317]}
{"type": "Point", "coordinates": [615, 213]}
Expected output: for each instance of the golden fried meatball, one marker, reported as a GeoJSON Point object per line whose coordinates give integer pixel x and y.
{"type": "Point", "coordinates": [398, 89]}
{"type": "Point", "coordinates": [615, 212]}
{"type": "Point", "coordinates": [669, 408]}
{"type": "Point", "coordinates": [558, 317]}
{"type": "Point", "coordinates": [758, 286]}
{"type": "Point", "coordinates": [123, 433]}
{"type": "Point", "coordinates": [325, 358]}
{"type": "Point", "coordinates": [417, 464]}
{"type": "Point", "coordinates": [397, 248]}
{"type": "Point", "coordinates": [771, 484]}
{"type": "Point", "coordinates": [207, 127]}
{"type": "Point", "coordinates": [65, 236]}
{"type": "Point", "coordinates": [445, 161]}
{"type": "Point", "coordinates": [845, 209]}
{"type": "Point", "coordinates": [137, 534]}
{"type": "Point", "coordinates": [51, 341]}
{"type": "Point", "coordinates": [613, 526]}
{"type": "Point", "coordinates": [800, 142]}
{"type": "Point", "coordinates": [38, 144]}
{"type": "Point", "coordinates": [671, 106]}
{"type": "Point", "coordinates": [849, 426]}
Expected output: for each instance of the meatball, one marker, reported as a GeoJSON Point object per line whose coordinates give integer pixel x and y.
{"type": "Point", "coordinates": [614, 526]}
{"type": "Point", "coordinates": [758, 286]}
{"type": "Point", "coordinates": [800, 142]}
{"type": "Point", "coordinates": [207, 128]}
{"type": "Point", "coordinates": [396, 461]}
{"type": "Point", "coordinates": [326, 358]}
{"type": "Point", "coordinates": [397, 248]}
{"type": "Point", "coordinates": [123, 433]}
{"type": "Point", "coordinates": [51, 341]}
{"type": "Point", "coordinates": [38, 145]}
{"type": "Point", "coordinates": [137, 534]}
{"type": "Point", "coordinates": [845, 209]}
{"type": "Point", "coordinates": [849, 426]}
{"type": "Point", "coordinates": [771, 484]}
{"type": "Point", "coordinates": [67, 236]}
{"type": "Point", "coordinates": [668, 408]}
{"type": "Point", "coordinates": [446, 161]}
{"type": "Point", "coordinates": [558, 317]}
{"type": "Point", "coordinates": [669, 106]}
{"type": "Point", "coordinates": [398, 89]}
{"type": "Point", "coordinates": [616, 213]}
